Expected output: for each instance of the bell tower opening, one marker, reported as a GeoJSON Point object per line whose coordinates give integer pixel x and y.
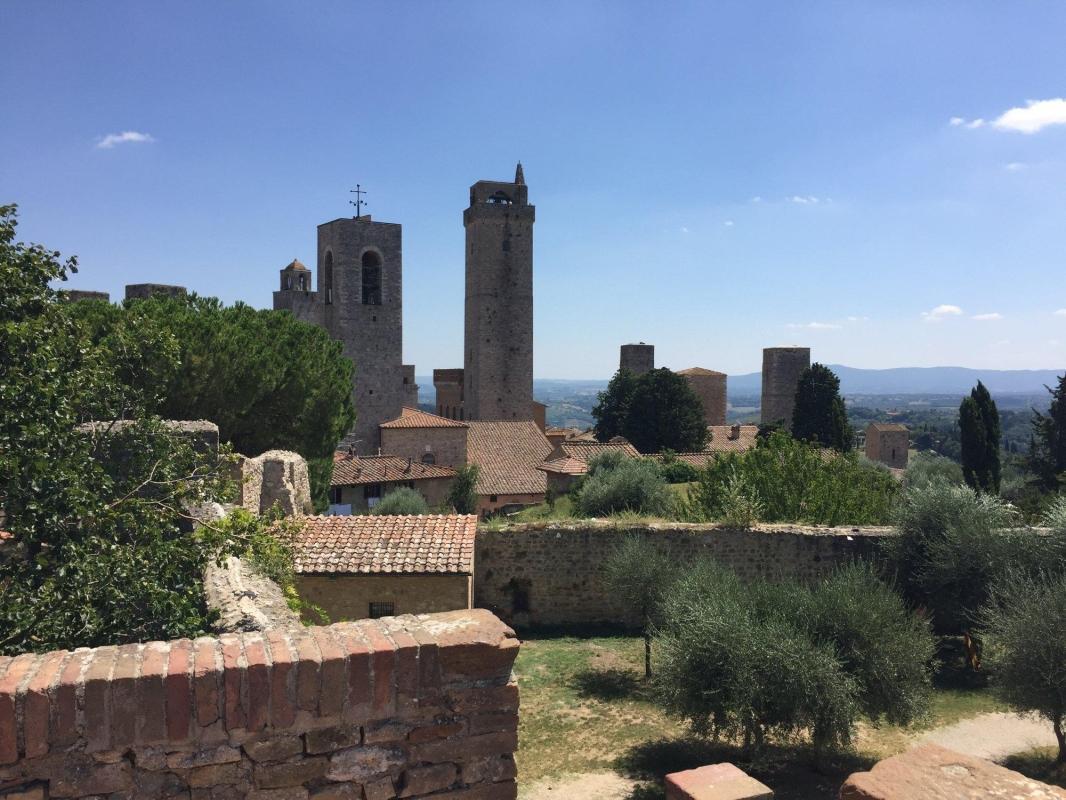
{"type": "Point", "coordinates": [371, 278]}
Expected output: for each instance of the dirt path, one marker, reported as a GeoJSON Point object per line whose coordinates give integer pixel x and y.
{"type": "Point", "coordinates": [590, 786]}
{"type": "Point", "coordinates": [994, 736]}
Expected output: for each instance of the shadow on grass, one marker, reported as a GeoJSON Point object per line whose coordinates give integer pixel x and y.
{"type": "Point", "coordinates": [1038, 764]}
{"type": "Point", "coordinates": [608, 684]}
{"type": "Point", "coordinates": [792, 772]}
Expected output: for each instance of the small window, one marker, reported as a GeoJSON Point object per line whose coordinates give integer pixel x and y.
{"type": "Point", "coordinates": [371, 279]}
{"type": "Point", "coordinates": [303, 283]}
{"type": "Point", "coordinates": [378, 610]}
{"type": "Point", "coordinates": [329, 278]}
{"type": "Point", "coordinates": [288, 281]}
{"type": "Point", "coordinates": [429, 458]}
{"type": "Point", "coordinates": [499, 199]}
{"type": "Point", "coordinates": [335, 495]}
{"type": "Point", "coordinates": [493, 498]}
{"type": "Point", "coordinates": [372, 490]}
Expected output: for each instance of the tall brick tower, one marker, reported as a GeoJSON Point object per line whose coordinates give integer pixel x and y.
{"type": "Point", "coordinates": [498, 357]}
{"type": "Point", "coordinates": [360, 303]}
{"type": "Point", "coordinates": [782, 368]}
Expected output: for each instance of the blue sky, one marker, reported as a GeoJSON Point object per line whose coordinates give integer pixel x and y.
{"type": "Point", "coordinates": [885, 182]}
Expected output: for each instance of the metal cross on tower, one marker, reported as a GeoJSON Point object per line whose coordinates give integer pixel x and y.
{"type": "Point", "coordinates": [358, 202]}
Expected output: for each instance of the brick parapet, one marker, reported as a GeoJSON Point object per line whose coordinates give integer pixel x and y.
{"type": "Point", "coordinates": [404, 706]}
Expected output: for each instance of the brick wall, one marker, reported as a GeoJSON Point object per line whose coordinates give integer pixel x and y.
{"type": "Point", "coordinates": [554, 572]}
{"type": "Point", "coordinates": [448, 445]}
{"type": "Point", "coordinates": [398, 707]}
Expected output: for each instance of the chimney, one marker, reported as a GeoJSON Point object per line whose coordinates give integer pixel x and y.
{"type": "Point", "coordinates": [734, 432]}
{"type": "Point", "coordinates": [409, 462]}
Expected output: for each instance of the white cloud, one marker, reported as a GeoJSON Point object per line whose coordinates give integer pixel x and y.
{"type": "Point", "coordinates": [1034, 117]}
{"type": "Point", "coordinates": [858, 319]}
{"type": "Point", "coordinates": [728, 223]}
{"type": "Point", "coordinates": [815, 326]}
{"type": "Point", "coordinates": [990, 317]}
{"type": "Point", "coordinates": [804, 200]}
{"type": "Point", "coordinates": [756, 199]}
{"type": "Point", "coordinates": [1061, 312]}
{"type": "Point", "coordinates": [112, 139]}
{"type": "Point", "coordinates": [942, 312]}
{"type": "Point", "coordinates": [684, 229]}
{"type": "Point", "coordinates": [960, 122]}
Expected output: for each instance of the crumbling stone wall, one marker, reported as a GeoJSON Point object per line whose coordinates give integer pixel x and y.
{"type": "Point", "coordinates": [244, 599]}
{"type": "Point", "coordinates": [397, 707]}
{"type": "Point", "coordinates": [276, 476]}
{"type": "Point", "coordinates": [552, 575]}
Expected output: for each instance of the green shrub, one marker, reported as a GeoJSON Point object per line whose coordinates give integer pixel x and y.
{"type": "Point", "coordinates": [402, 500]}
{"type": "Point", "coordinates": [928, 467]}
{"type": "Point", "coordinates": [462, 497]}
{"type": "Point", "coordinates": [674, 471]}
{"type": "Point", "coordinates": [797, 482]}
{"type": "Point", "coordinates": [1022, 630]}
{"type": "Point", "coordinates": [741, 507]}
{"type": "Point", "coordinates": [626, 484]}
{"type": "Point", "coordinates": [777, 659]}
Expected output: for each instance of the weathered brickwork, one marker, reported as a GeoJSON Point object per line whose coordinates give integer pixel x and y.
{"type": "Point", "coordinates": [350, 596]}
{"type": "Point", "coordinates": [781, 371]}
{"type": "Point", "coordinates": [449, 386]}
{"type": "Point", "coordinates": [637, 358]}
{"type": "Point", "coordinates": [498, 358]}
{"type": "Point", "coordinates": [535, 575]}
{"type": "Point", "coordinates": [398, 707]}
{"type": "Point", "coordinates": [447, 445]}
{"type": "Point", "coordinates": [710, 387]}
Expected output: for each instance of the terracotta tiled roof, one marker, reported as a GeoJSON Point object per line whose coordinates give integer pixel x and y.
{"type": "Point", "coordinates": [564, 466]}
{"type": "Point", "coordinates": [887, 426]}
{"type": "Point", "coordinates": [507, 454]}
{"type": "Point", "coordinates": [296, 265]}
{"type": "Point", "coordinates": [700, 371]}
{"type": "Point", "coordinates": [371, 544]}
{"type": "Point", "coordinates": [583, 450]}
{"type": "Point", "coordinates": [719, 441]}
{"type": "Point", "coordinates": [357, 470]}
{"type": "Point", "coordinates": [414, 418]}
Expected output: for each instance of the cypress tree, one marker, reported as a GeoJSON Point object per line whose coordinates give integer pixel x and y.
{"type": "Point", "coordinates": [1048, 444]}
{"type": "Point", "coordinates": [979, 431]}
{"type": "Point", "coordinates": [820, 415]}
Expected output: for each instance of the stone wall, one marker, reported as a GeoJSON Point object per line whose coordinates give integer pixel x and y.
{"type": "Point", "coordinates": [349, 596]}
{"type": "Point", "coordinates": [276, 476]}
{"type": "Point", "coordinates": [448, 445]}
{"type": "Point", "coordinates": [551, 575]}
{"type": "Point", "coordinates": [397, 707]}
{"type": "Point", "coordinates": [244, 599]}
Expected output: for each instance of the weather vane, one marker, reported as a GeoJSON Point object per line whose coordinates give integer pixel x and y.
{"type": "Point", "coordinates": [358, 202]}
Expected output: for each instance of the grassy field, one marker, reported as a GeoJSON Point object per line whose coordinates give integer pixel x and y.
{"type": "Point", "coordinates": [586, 709]}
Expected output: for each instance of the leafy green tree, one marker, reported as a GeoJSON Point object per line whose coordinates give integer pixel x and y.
{"type": "Point", "coordinates": [979, 431]}
{"type": "Point", "coordinates": [675, 470]}
{"type": "Point", "coordinates": [462, 497]}
{"type": "Point", "coordinates": [640, 574]}
{"type": "Point", "coordinates": [664, 414]}
{"type": "Point", "coordinates": [819, 415]}
{"type": "Point", "coordinates": [1022, 629]}
{"type": "Point", "coordinates": [1048, 450]}
{"type": "Point", "coordinates": [615, 484]}
{"type": "Point", "coordinates": [612, 407]}
{"type": "Point", "coordinates": [401, 500]}
{"type": "Point", "coordinates": [96, 511]}
{"type": "Point", "coordinates": [266, 379]}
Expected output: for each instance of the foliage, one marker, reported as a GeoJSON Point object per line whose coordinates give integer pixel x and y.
{"type": "Point", "coordinates": [1022, 629]}
{"type": "Point", "coordinates": [97, 512]}
{"type": "Point", "coordinates": [1048, 450]}
{"type": "Point", "coordinates": [402, 500]}
{"type": "Point", "coordinates": [640, 574]}
{"type": "Point", "coordinates": [819, 415]}
{"type": "Point", "coordinates": [797, 482]}
{"type": "Point", "coordinates": [266, 379]}
{"type": "Point", "coordinates": [675, 471]}
{"type": "Point", "coordinates": [928, 467]}
{"type": "Point", "coordinates": [758, 659]}
{"type": "Point", "coordinates": [741, 505]}
{"type": "Point", "coordinates": [463, 495]}
{"type": "Point", "coordinates": [615, 485]}
{"type": "Point", "coordinates": [612, 407]}
{"type": "Point", "coordinates": [980, 433]}
{"type": "Point", "coordinates": [655, 411]}
{"type": "Point", "coordinates": [954, 544]}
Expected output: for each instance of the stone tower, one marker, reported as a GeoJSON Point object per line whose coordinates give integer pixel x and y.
{"type": "Point", "coordinates": [710, 387]}
{"type": "Point", "coordinates": [781, 371]}
{"type": "Point", "coordinates": [359, 301]}
{"type": "Point", "coordinates": [498, 357]}
{"type": "Point", "coordinates": [449, 386]}
{"type": "Point", "coordinates": [637, 358]}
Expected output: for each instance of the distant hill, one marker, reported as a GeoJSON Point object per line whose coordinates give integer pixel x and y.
{"type": "Point", "coordinates": [920, 380]}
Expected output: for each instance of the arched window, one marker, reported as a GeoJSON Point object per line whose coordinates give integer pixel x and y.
{"type": "Point", "coordinates": [329, 277]}
{"type": "Point", "coordinates": [288, 282]}
{"type": "Point", "coordinates": [499, 199]}
{"type": "Point", "coordinates": [371, 279]}
{"type": "Point", "coordinates": [429, 458]}
{"type": "Point", "coordinates": [303, 283]}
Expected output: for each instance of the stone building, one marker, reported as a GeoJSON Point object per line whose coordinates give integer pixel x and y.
{"type": "Point", "coordinates": [448, 384]}
{"type": "Point", "coordinates": [359, 301]}
{"type": "Point", "coordinates": [710, 387]}
{"type": "Point", "coordinates": [888, 443]}
{"type": "Point", "coordinates": [355, 567]}
{"type": "Point", "coordinates": [410, 386]}
{"type": "Point", "coordinates": [507, 455]}
{"type": "Point", "coordinates": [142, 291]}
{"type": "Point", "coordinates": [637, 358]}
{"type": "Point", "coordinates": [425, 438]}
{"type": "Point", "coordinates": [359, 482]}
{"type": "Point", "coordinates": [498, 352]}
{"type": "Point", "coordinates": [782, 368]}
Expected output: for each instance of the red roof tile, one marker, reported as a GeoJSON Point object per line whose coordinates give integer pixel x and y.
{"type": "Point", "coordinates": [507, 455]}
{"type": "Point", "coordinates": [701, 371]}
{"type": "Point", "coordinates": [414, 418]}
{"type": "Point", "coordinates": [583, 450]}
{"type": "Point", "coordinates": [564, 466]}
{"type": "Point", "coordinates": [358, 470]}
{"type": "Point", "coordinates": [372, 544]}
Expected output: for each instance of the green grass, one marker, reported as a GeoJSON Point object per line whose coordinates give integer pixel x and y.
{"type": "Point", "coordinates": [586, 708]}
